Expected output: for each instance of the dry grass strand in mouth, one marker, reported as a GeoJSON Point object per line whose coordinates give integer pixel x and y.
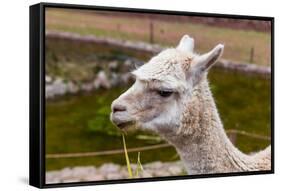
{"type": "Point", "coordinates": [130, 128]}
{"type": "Point", "coordinates": [139, 165]}
{"type": "Point", "coordinates": [127, 158]}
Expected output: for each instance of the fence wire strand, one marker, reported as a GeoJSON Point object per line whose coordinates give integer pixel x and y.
{"type": "Point", "coordinates": [145, 148]}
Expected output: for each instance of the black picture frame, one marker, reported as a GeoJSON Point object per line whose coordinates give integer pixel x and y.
{"type": "Point", "coordinates": [37, 94]}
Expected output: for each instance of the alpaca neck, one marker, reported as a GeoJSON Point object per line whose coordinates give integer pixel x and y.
{"type": "Point", "coordinates": [201, 140]}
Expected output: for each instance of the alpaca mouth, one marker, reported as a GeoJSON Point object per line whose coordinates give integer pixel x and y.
{"type": "Point", "coordinates": [121, 121]}
{"type": "Point", "coordinates": [125, 125]}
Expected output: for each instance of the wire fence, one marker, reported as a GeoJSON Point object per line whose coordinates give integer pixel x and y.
{"type": "Point", "coordinates": [108, 152]}
{"type": "Point", "coordinates": [230, 132]}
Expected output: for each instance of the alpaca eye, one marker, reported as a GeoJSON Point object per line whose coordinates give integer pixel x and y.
{"type": "Point", "coordinates": [165, 93]}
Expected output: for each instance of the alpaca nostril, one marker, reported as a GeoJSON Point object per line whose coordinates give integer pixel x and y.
{"type": "Point", "coordinates": [117, 108]}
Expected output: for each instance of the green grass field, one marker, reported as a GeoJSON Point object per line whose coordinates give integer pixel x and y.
{"type": "Point", "coordinates": [238, 43]}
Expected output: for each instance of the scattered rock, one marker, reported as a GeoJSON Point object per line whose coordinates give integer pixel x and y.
{"type": "Point", "coordinates": [113, 65]}
{"type": "Point", "coordinates": [102, 81]}
{"type": "Point", "coordinates": [115, 79]}
{"type": "Point", "coordinates": [72, 88]}
{"type": "Point", "coordinates": [93, 177]}
{"type": "Point", "coordinates": [146, 174]}
{"type": "Point", "coordinates": [175, 169]}
{"type": "Point", "coordinates": [128, 63]}
{"type": "Point", "coordinates": [49, 91]}
{"type": "Point", "coordinates": [66, 173]}
{"type": "Point", "coordinates": [59, 88]}
{"type": "Point", "coordinates": [88, 86]}
{"type": "Point", "coordinates": [48, 79]}
{"type": "Point", "coordinates": [109, 168]}
{"type": "Point", "coordinates": [117, 76]}
{"type": "Point", "coordinates": [114, 176]}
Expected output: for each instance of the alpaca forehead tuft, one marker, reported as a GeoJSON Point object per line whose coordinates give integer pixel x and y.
{"type": "Point", "coordinates": [166, 66]}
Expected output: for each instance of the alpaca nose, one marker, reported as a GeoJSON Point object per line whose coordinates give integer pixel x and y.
{"type": "Point", "coordinates": [118, 108]}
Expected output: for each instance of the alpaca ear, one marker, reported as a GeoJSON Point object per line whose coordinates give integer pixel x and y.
{"type": "Point", "coordinates": [186, 44]}
{"type": "Point", "coordinates": [204, 62]}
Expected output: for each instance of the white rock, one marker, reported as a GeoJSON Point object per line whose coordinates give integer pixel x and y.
{"type": "Point", "coordinates": [114, 176]}
{"type": "Point", "coordinates": [88, 86]}
{"type": "Point", "coordinates": [49, 93]}
{"type": "Point", "coordinates": [155, 165]}
{"type": "Point", "coordinates": [176, 170]}
{"type": "Point", "coordinates": [66, 173]}
{"type": "Point", "coordinates": [115, 79]}
{"type": "Point", "coordinates": [109, 168]}
{"type": "Point", "coordinates": [71, 87]}
{"type": "Point", "coordinates": [59, 88]}
{"type": "Point", "coordinates": [94, 177]}
{"type": "Point", "coordinates": [48, 79]}
{"type": "Point", "coordinates": [70, 180]}
{"type": "Point", "coordinates": [113, 65]}
{"type": "Point", "coordinates": [58, 81]}
{"type": "Point", "coordinates": [128, 63]}
{"type": "Point", "coordinates": [102, 81]}
{"type": "Point", "coordinates": [146, 174]}
{"type": "Point", "coordinates": [79, 172]}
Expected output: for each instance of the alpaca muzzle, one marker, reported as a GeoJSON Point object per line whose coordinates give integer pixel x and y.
{"type": "Point", "coordinates": [120, 116]}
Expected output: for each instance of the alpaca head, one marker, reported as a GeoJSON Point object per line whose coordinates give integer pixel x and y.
{"type": "Point", "coordinates": [163, 86]}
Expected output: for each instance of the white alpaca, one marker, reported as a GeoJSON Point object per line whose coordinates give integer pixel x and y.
{"type": "Point", "coordinates": [171, 97]}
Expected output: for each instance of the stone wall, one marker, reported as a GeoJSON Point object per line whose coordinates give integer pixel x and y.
{"type": "Point", "coordinates": [112, 171]}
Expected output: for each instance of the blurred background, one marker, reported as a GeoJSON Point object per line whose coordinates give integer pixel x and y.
{"type": "Point", "coordinates": [89, 55]}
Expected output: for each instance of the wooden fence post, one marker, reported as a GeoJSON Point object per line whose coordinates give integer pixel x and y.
{"type": "Point", "coordinates": [252, 54]}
